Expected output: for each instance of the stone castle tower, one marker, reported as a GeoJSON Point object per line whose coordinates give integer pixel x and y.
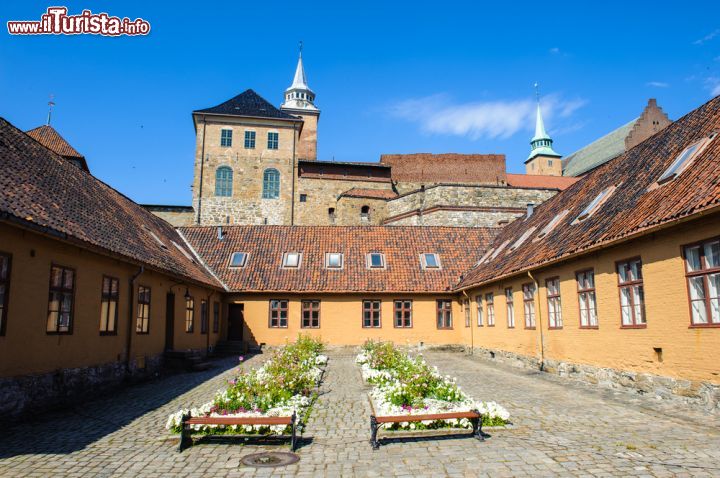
{"type": "Point", "coordinates": [543, 159]}
{"type": "Point", "coordinates": [247, 152]}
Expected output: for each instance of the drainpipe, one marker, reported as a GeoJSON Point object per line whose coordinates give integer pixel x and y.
{"type": "Point", "coordinates": [539, 324]}
{"type": "Point", "coordinates": [131, 303]}
{"type": "Point", "coordinates": [294, 173]}
{"type": "Point", "coordinates": [472, 335]}
{"type": "Point", "coordinates": [209, 325]}
{"type": "Point", "coordinates": [202, 168]}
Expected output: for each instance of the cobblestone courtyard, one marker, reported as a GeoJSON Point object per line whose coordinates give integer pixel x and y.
{"type": "Point", "coordinates": [560, 429]}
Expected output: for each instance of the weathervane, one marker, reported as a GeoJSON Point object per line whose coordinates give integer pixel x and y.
{"type": "Point", "coordinates": [51, 103]}
{"type": "Point", "coordinates": [537, 91]}
{"type": "Point", "coordinates": [300, 46]}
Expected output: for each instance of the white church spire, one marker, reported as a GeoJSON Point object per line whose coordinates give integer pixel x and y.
{"type": "Point", "coordinates": [299, 96]}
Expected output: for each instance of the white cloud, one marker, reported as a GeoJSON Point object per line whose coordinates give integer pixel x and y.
{"type": "Point", "coordinates": [438, 114]}
{"type": "Point", "coordinates": [713, 84]}
{"type": "Point", "coordinates": [657, 84]}
{"type": "Point", "coordinates": [707, 37]}
{"type": "Point", "coordinates": [555, 50]}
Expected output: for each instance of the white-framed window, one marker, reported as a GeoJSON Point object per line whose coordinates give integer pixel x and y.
{"type": "Point", "coordinates": [226, 137]}
{"type": "Point", "coordinates": [291, 260]}
{"type": "Point", "coordinates": [249, 139]}
{"type": "Point", "coordinates": [702, 269]}
{"type": "Point", "coordinates": [552, 224]}
{"type": "Point", "coordinates": [430, 260]}
{"type": "Point", "coordinates": [595, 204]}
{"type": "Point", "coordinates": [334, 260]}
{"type": "Point", "coordinates": [490, 306]}
{"type": "Point", "coordinates": [466, 310]}
{"type": "Point", "coordinates": [510, 307]}
{"type": "Point", "coordinates": [479, 307]}
{"type": "Point", "coordinates": [685, 159]}
{"type": "Point", "coordinates": [238, 259]}
{"type": "Point", "coordinates": [586, 298]}
{"type": "Point", "coordinates": [273, 140]}
{"type": "Point", "coordinates": [403, 313]}
{"type": "Point", "coordinates": [632, 295]}
{"type": "Point", "coordinates": [376, 260]}
{"type": "Point", "coordinates": [554, 305]}
{"type": "Point", "coordinates": [529, 304]}
{"type": "Point", "coordinates": [521, 239]}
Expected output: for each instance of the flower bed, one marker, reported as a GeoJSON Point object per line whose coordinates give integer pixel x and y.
{"type": "Point", "coordinates": [284, 385]}
{"type": "Point", "coordinates": [404, 385]}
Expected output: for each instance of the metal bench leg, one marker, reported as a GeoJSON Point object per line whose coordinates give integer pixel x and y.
{"type": "Point", "coordinates": [184, 435]}
{"type": "Point", "coordinates": [373, 432]}
{"type": "Point", "coordinates": [293, 438]}
{"type": "Point", "coordinates": [477, 427]}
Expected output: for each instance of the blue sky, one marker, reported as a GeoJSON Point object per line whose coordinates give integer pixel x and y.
{"type": "Point", "coordinates": [390, 77]}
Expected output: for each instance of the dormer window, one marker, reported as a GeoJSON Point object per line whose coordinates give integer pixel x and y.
{"type": "Point", "coordinates": [552, 224]}
{"type": "Point", "coordinates": [376, 260]}
{"type": "Point", "coordinates": [238, 259]}
{"type": "Point", "coordinates": [334, 260]}
{"type": "Point", "coordinates": [595, 204]}
{"type": "Point", "coordinates": [685, 159]}
{"type": "Point", "coordinates": [291, 260]}
{"type": "Point", "coordinates": [430, 260]}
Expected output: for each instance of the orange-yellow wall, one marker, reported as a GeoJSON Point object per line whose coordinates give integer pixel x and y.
{"type": "Point", "coordinates": [690, 353]}
{"type": "Point", "coordinates": [26, 348]}
{"type": "Point", "coordinates": [341, 320]}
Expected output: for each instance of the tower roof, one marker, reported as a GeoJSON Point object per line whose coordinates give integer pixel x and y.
{"type": "Point", "coordinates": [541, 143]}
{"type": "Point", "coordinates": [300, 80]}
{"type": "Point", "coordinates": [299, 96]}
{"type": "Point", "coordinates": [248, 103]}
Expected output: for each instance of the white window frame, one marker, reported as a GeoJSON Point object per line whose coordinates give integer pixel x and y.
{"type": "Point", "coordinates": [423, 261]}
{"type": "Point", "coordinates": [327, 260]}
{"type": "Point", "coordinates": [285, 260]}
{"type": "Point", "coordinates": [368, 260]}
{"type": "Point", "coordinates": [595, 204]}
{"type": "Point", "coordinates": [244, 261]}
{"type": "Point", "coordinates": [684, 160]}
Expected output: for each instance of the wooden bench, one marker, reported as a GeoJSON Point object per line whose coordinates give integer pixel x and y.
{"type": "Point", "coordinates": [376, 422]}
{"type": "Point", "coordinates": [187, 422]}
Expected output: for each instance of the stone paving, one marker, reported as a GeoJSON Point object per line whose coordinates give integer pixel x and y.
{"type": "Point", "coordinates": [560, 429]}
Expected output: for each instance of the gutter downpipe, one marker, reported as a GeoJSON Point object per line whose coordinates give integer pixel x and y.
{"type": "Point", "coordinates": [540, 323]}
{"type": "Point", "coordinates": [472, 336]}
{"type": "Point", "coordinates": [202, 168]}
{"type": "Point", "coordinates": [131, 303]}
{"type": "Point", "coordinates": [209, 327]}
{"type": "Point", "coordinates": [294, 173]}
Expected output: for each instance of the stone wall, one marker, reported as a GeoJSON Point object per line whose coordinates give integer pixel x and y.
{"type": "Point", "coordinates": [323, 194]}
{"type": "Point", "coordinates": [178, 216]}
{"type": "Point", "coordinates": [700, 394]}
{"type": "Point", "coordinates": [652, 120]}
{"type": "Point", "coordinates": [463, 205]}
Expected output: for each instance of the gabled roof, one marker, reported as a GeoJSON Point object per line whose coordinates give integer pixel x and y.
{"type": "Point", "coordinates": [248, 103]}
{"type": "Point", "coordinates": [598, 152]}
{"type": "Point", "coordinates": [458, 249]}
{"type": "Point", "coordinates": [629, 211]}
{"type": "Point", "coordinates": [42, 191]}
{"type": "Point", "coordinates": [51, 139]}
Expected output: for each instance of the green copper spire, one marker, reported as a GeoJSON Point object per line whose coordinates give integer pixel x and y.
{"type": "Point", "coordinates": [541, 144]}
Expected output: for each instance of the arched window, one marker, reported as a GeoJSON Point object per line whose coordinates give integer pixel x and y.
{"type": "Point", "coordinates": [271, 184]}
{"type": "Point", "coordinates": [365, 212]}
{"type": "Point", "coordinates": [223, 181]}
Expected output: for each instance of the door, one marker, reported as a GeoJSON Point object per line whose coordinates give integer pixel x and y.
{"type": "Point", "coordinates": [235, 321]}
{"type": "Point", "coordinates": [169, 320]}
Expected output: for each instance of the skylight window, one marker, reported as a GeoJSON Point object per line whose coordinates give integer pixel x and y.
{"type": "Point", "coordinates": [238, 259]}
{"type": "Point", "coordinates": [684, 159]}
{"type": "Point", "coordinates": [334, 260]}
{"type": "Point", "coordinates": [498, 250]}
{"type": "Point", "coordinates": [376, 260]}
{"type": "Point", "coordinates": [522, 239]}
{"type": "Point", "coordinates": [181, 249]}
{"type": "Point", "coordinates": [430, 260]}
{"type": "Point", "coordinates": [291, 260]}
{"type": "Point", "coordinates": [155, 236]}
{"type": "Point", "coordinates": [484, 257]}
{"type": "Point", "coordinates": [552, 224]}
{"type": "Point", "coordinates": [595, 204]}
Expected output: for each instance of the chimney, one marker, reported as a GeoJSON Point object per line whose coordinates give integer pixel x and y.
{"type": "Point", "coordinates": [220, 234]}
{"type": "Point", "coordinates": [530, 209]}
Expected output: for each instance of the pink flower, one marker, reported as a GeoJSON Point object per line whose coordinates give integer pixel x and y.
{"type": "Point", "coordinates": [241, 358]}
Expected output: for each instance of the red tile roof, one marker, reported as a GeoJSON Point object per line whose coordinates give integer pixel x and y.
{"type": "Point", "coordinates": [370, 193]}
{"type": "Point", "coordinates": [631, 210]}
{"type": "Point", "coordinates": [458, 248]}
{"type": "Point", "coordinates": [539, 181]}
{"type": "Point", "coordinates": [449, 167]}
{"type": "Point", "coordinates": [42, 191]}
{"type": "Point", "coordinates": [51, 139]}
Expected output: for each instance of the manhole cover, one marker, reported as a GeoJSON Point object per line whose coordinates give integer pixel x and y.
{"type": "Point", "coordinates": [270, 459]}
